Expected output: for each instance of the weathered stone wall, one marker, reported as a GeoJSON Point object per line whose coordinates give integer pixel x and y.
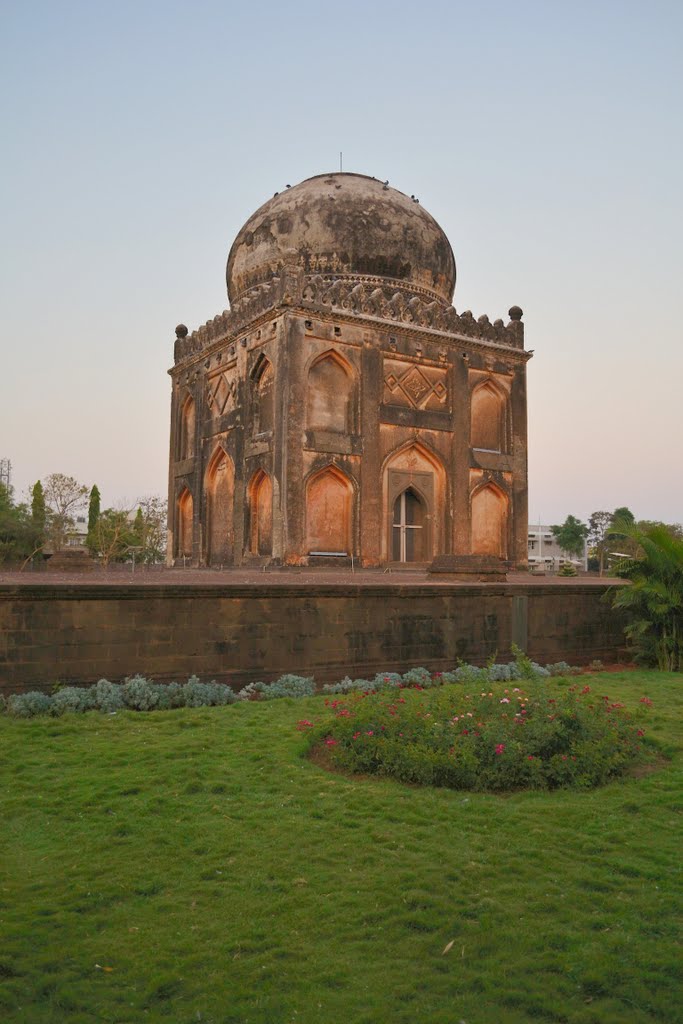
{"type": "Point", "coordinates": [238, 633]}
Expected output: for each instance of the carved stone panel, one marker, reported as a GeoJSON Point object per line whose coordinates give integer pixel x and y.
{"type": "Point", "coordinates": [408, 385]}
{"type": "Point", "coordinates": [221, 391]}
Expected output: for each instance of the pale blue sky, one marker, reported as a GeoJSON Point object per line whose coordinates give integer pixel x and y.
{"type": "Point", "coordinates": [545, 138]}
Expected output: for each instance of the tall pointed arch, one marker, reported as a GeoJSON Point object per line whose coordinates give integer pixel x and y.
{"type": "Point", "coordinates": [184, 516]}
{"type": "Point", "coordinates": [414, 487]}
{"type": "Point", "coordinates": [260, 496]}
{"type": "Point", "coordinates": [186, 428]}
{"type": "Point", "coordinates": [329, 512]}
{"type": "Point", "coordinates": [219, 490]}
{"type": "Point", "coordinates": [331, 394]}
{"type": "Point", "coordinates": [489, 518]}
{"type": "Point", "coordinates": [263, 396]}
{"type": "Point", "coordinates": [489, 417]}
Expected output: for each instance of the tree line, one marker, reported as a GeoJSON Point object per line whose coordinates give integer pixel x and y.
{"type": "Point", "coordinates": [46, 523]}
{"type": "Point", "coordinates": [610, 536]}
{"type": "Point", "coordinates": [650, 556]}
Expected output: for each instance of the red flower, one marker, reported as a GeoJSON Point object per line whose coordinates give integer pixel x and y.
{"type": "Point", "coordinates": [586, 689]}
{"type": "Point", "coordinates": [329, 742]}
{"type": "Point", "coordinates": [641, 732]}
{"type": "Point", "coordinates": [304, 724]}
{"type": "Point", "coordinates": [500, 748]}
{"type": "Point", "coordinates": [646, 700]}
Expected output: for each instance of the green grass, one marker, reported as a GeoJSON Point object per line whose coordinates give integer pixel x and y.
{"type": "Point", "coordinates": [221, 877]}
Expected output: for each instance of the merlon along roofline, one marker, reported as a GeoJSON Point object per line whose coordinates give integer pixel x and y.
{"type": "Point", "coordinates": [376, 300]}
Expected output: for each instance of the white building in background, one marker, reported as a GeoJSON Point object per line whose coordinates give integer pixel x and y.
{"type": "Point", "coordinates": [544, 552]}
{"type": "Point", "coordinates": [78, 533]}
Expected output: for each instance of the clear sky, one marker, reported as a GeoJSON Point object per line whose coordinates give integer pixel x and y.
{"type": "Point", "coordinates": [545, 138]}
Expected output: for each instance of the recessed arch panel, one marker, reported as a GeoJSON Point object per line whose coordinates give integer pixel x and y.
{"type": "Point", "coordinates": [330, 395]}
{"type": "Point", "coordinates": [329, 511]}
{"type": "Point", "coordinates": [263, 396]}
{"type": "Point", "coordinates": [489, 521]}
{"type": "Point", "coordinates": [261, 513]}
{"type": "Point", "coordinates": [488, 418]}
{"type": "Point", "coordinates": [186, 429]}
{"type": "Point", "coordinates": [184, 524]}
{"type": "Point", "coordinates": [220, 488]}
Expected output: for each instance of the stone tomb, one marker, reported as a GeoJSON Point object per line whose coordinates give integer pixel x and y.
{"type": "Point", "coordinates": [342, 409]}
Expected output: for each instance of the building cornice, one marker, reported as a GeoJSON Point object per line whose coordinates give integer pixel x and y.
{"type": "Point", "coordinates": [373, 301]}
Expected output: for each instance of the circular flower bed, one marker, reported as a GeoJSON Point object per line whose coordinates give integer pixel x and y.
{"type": "Point", "coordinates": [538, 735]}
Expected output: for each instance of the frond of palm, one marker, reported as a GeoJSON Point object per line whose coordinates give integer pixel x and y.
{"type": "Point", "coordinates": [654, 599]}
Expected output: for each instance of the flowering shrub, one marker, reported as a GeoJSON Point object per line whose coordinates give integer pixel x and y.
{"type": "Point", "coordinates": [536, 735]}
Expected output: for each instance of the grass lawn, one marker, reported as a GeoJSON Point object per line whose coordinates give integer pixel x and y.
{"type": "Point", "coordinates": [191, 866]}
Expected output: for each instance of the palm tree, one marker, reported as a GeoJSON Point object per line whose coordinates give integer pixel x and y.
{"type": "Point", "coordinates": [654, 600]}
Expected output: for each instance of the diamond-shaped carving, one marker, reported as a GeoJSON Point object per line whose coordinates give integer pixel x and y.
{"type": "Point", "coordinates": [391, 382]}
{"type": "Point", "coordinates": [415, 385]}
{"type": "Point", "coordinates": [221, 393]}
{"type": "Point", "coordinates": [440, 391]}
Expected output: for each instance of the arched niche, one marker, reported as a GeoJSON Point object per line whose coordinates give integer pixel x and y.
{"type": "Point", "coordinates": [260, 494]}
{"type": "Point", "coordinates": [416, 472]}
{"type": "Point", "coordinates": [263, 396]}
{"type": "Point", "coordinates": [489, 418]}
{"type": "Point", "coordinates": [186, 429]}
{"type": "Point", "coordinates": [330, 395]}
{"type": "Point", "coordinates": [489, 521]}
{"type": "Point", "coordinates": [329, 512]}
{"type": "Point", "coordinates": [219, 490]}
{"type": "Point", "coordinates": [184, 524]}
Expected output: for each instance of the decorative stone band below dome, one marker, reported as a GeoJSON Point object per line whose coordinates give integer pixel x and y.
{"type": "Point", "coordinates": [386, 301]}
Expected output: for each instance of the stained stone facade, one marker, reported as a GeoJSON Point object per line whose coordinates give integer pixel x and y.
{"type": "Point", "coordinates": [342, 407]}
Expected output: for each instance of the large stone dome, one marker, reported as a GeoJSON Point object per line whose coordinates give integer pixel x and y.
{"type": "Point", "coordinates": [343, 225]}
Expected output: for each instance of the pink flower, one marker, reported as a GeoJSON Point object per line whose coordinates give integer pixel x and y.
{"type": "Point", "coordinates": [304, 724]}
{"type": "Point", "coordinates": [500, 748]}
{"type": "Point", "coordinates": [504, 700]}
{"type": "Point", "coordinates": [329, 742]}
{"type": "Point", "coordinates": [370, 733]}
{"type": "Point", "coordinates": [646, 700]}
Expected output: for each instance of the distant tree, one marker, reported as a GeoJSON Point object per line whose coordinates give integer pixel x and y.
{"type": "Point", "coordinates": [153, 511]}
{"type": "Point", "coordinates": [567, 569]}
{"type": "Point", "coordinates": [654, 600]}
{"type": "Point", "coordinates": [598, 525]}
{"type": "Point", "coordinates": [571, 536]}
{"type": "Point", "coordinates": [38, 510]}
{"type": "Point", "coordinates": [64, 496]}
{"type": "Point", "coordinates": [17, 532]}
{"type": "Point", "coordinates": [93, 513]}
{"type": "Point", "coordinates": [113, 535]}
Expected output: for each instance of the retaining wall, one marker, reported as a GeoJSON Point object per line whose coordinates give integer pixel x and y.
{"type": "Point", "coordinates": [235, 634]}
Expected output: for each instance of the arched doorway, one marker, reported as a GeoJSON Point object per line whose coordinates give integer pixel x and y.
{"type": "Point", "coordinates": [414, 505]}
{"type": "Point", "coordinates": [408, 527]}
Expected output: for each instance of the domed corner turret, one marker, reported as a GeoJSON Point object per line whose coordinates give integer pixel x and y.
{"type": "Point", "coordinates": [344, 225]}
